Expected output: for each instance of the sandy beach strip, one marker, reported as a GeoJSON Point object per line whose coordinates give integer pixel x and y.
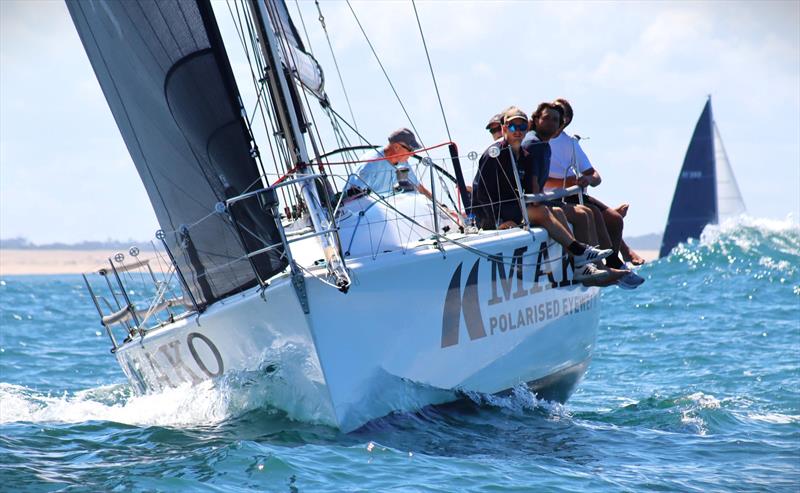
{"type": "Point", "coordinates": [29, 261]}
{"type": "Point", "coordinates": [15, 262]}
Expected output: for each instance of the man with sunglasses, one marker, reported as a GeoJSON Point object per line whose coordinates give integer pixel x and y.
{"type": "Point", "coordinates": [380, 167]}
{"type": "Point", "coordinates": [496, 195]}
{"type": "Point", "coordinates": [495, 126]}
{"type": "Point", "coordinates": [546, 121]}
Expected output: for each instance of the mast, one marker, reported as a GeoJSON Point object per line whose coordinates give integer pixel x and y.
{"type": "Point", "coordinates": [288, 109]}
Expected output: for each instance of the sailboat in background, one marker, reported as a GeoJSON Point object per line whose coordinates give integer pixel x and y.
{"type": "Point", "coordinates": [707, 192]}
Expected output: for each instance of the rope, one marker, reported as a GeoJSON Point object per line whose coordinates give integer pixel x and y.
{"type": "Point", "coordinates": [430, 66]}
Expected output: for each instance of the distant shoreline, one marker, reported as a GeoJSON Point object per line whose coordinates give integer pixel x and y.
{"type": "Point", "coordinates": [28, 261]}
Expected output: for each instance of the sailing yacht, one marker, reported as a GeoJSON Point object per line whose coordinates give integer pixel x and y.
{"type": "Point", "coordinates": [354, 307]}
{"type": "Point", "coordinates": [707, 192]}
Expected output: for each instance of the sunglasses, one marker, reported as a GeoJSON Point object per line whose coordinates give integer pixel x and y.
{"type": "Point", "coordinates": [517, 127]}
{"type": "Point", "coordinates": [494, 130]}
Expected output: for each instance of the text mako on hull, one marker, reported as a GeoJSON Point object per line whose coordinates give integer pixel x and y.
{"type": "Point", "coordinates": [278, 258]}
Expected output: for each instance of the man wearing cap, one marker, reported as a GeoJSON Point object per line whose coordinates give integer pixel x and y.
{"type": "Point", "coordinates": [495, 126]}
{"type": "Point", "coordinates": [380, 167]}
{"type": "Point", "coordinates": [569, 160]}
{"type": "Point", "coordinates": [496, 196]}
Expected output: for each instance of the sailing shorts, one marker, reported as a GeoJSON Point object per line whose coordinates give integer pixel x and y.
{"type": "Point", "coordinates": [587, 199]}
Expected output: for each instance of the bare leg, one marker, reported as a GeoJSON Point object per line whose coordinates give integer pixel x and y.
{"type": "Point", "coordinates": [540, 215]}
{"type": "Point", "coordinates": [590, 224]}
{"type": "Point", "coordinates": [600, 225]}
{"type": "Point", "coordinates": [630, 255]}
{"type": "Point", "coordinates": [558, 213]}
{"type": "Point", "coordinates": [627, 254]}
{"type": "Point", "coordinates": [578, 216]}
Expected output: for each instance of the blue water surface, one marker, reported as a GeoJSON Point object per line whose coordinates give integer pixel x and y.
{"type": "Point", "coordinates": [694, 386]}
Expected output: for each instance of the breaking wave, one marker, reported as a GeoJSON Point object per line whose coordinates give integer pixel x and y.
{"type": "Point", "coordinates": [774, 243]}
{"type": "Point", "coordinates": [200, 405]}
{"type": "Point", "coordinates": [207, 403]}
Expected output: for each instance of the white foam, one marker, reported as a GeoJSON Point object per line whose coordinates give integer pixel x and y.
{"type": "Point", "coordinates": [704, 401]}
{"type": "Point", "coordinates": [731, 229]}
{"type": "Point", "coordinates": [202, 404]}
{"type": "Point", "coordinates": [519, 400]}
{"type": "Point", "coordinates": [774, 418]}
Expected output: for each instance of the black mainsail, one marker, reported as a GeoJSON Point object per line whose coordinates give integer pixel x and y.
{"type": "Point", "coordinates": [706, 190]}
{"type": "Point", "coordinates": [167, 79]}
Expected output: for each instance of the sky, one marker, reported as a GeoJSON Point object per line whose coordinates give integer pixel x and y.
{"type": "Point", "coordinates": [637, 74]}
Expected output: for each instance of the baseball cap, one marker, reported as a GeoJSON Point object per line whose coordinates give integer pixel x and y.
{"type": "Point", "coordinates": [406, 137]}
{"type": "Point", "coordinates": [498, 119]}
{"type": "Point", "coordinates": [513, 113]}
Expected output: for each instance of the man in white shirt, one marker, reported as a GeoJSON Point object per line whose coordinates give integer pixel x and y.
{"type": "Point", "coordinates": [381, 167]}
{"type": "Point", "coordinates": [569, 165]}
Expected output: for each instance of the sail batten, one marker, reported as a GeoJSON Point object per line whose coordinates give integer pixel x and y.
{"type": "Point", "coordinates": [164, 72]}
{"type": "Point", "coordinates": [706, 191]}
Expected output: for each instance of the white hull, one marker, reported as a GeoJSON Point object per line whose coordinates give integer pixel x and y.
{"type": "Point", "coordinates": [353, 356]}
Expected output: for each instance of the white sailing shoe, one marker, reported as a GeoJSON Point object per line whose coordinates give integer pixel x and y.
{"type": "Point", "coordinates": [589, 272]}
{"type": "Point", "coordinates": [590, 255]}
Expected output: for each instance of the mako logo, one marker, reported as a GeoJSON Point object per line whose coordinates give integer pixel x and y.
{"type": "Point", "coordinates": [509, 283]}
{"type": "Point", "coordinates": [455, 304]}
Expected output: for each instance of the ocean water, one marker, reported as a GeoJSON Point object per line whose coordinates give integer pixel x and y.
{"type": "Point", "coordinates": [694, 386]}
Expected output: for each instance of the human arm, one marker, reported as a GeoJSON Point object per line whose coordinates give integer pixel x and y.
{"type": "Point", "coordinates": [589, 178]}
{"type": "Point", "coordinates": [424, 191]}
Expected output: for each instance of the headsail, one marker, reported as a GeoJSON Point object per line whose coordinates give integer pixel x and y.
{"type": "Point", "coordinates": [706, 189]}
{"type": "Point", "coordinates": [165, 75]}
{"type": "Point", "coordinates": [729, 198]}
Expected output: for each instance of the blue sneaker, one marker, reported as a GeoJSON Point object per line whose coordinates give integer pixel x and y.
{"type": "Point", "coordinates": [631, 280]}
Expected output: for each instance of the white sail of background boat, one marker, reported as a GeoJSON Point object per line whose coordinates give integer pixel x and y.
{"type": "Point", "coordinates": [707, 192]}
{"type": "Point", "coordinates": [342, 303]}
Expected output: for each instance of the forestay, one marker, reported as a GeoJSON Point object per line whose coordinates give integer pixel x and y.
{"type": "Point", "coordinates": [163, 69]}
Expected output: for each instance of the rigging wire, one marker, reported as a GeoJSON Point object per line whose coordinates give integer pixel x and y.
{"type": "Point", "coordinates": [336, 64]}
{"type": "Point", "coordinates": [388, 79]}
{"type": "Point", "coordinates": [430, 66]}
